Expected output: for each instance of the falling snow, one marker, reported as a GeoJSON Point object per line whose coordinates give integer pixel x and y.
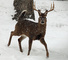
{"type": "Point", "coordinates": [56, 33]}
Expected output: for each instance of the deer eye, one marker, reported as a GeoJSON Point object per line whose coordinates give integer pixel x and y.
{"type": "Point", "coordinates": [40, 17]}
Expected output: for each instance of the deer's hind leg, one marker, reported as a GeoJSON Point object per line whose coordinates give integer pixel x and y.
{"type": "Point", "coordinates": [19, 41]}
{"type": "Point", "coordinates": [10, 38]}
{"type": "Point", "coordinates": [13, 33]}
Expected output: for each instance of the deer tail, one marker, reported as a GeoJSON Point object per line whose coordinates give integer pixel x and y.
{"type": "Point", "coordinates": [22, 14]}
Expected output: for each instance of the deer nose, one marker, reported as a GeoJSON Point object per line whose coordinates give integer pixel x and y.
{"type": "Point", "coordinates": [42, 21]}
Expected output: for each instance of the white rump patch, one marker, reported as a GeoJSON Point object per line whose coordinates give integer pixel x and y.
{"type": "Point", "coordinates": [24, 36]}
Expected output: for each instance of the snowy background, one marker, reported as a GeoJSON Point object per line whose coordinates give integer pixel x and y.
{"type": "Point", "coordinates": [56, 34]}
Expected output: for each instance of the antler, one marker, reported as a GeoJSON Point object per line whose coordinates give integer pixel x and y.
{"type": "Point", "coordinates": [52, 8]}
{"type": "Point", "coordinates": [34, 8]}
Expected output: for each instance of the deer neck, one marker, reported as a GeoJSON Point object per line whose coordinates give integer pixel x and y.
{"type": "Point", "coordinates": [42, 26]}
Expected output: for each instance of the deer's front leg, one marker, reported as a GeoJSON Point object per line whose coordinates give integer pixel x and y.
{"type": "Point", "coordinates": [30, 45]}
{"type": "Point", "coordinates": [44, 43]}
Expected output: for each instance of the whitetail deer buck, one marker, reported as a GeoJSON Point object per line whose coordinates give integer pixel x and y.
{"type": "Point", "coordinates": [35, 31]}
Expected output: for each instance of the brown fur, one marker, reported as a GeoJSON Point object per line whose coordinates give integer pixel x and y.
{"type": "Point", "coordinates": [35, 31]}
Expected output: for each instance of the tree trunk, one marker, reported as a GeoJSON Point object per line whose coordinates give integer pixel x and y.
{"type": "Point", "coordinates": [20, 5]}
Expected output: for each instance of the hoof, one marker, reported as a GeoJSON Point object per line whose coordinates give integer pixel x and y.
{"type": "Point", "coordinates": [47, 55]}
{"type": "Point", "coordinates": [8, 44]}
{"type": "Point", "coordinates": [21, 50]}
{"type": "Point", "coordinates": [28, 54]}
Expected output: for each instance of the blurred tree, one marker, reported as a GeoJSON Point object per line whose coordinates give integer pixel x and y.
{"type": "Point", "coordinates": [59, 0]}
{"type": "Point", "coordinates": [20, 5]}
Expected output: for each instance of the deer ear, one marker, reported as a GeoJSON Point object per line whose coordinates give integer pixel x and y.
{"type": "Point", "coordinates": [46, 12]}
{"type": "Point", "coordinates": [39, 12]}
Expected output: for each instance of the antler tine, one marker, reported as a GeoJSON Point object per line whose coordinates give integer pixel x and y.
{"type": "Point", "coordinates": [53, 5]}
{"type": "Point", "coordinates": [34, 7]}
{"type": "Point", "coordinates": [52, 8]}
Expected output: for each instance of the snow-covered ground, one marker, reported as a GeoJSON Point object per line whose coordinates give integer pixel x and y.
{"type": "Point", "coordinates": [56, 34]}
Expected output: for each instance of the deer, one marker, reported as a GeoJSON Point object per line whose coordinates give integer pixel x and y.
{"type": "Point", "coordinates": [34, 31]}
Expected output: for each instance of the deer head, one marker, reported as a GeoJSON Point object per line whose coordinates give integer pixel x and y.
{"type": "Point", "coordinates": [42, 16]}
